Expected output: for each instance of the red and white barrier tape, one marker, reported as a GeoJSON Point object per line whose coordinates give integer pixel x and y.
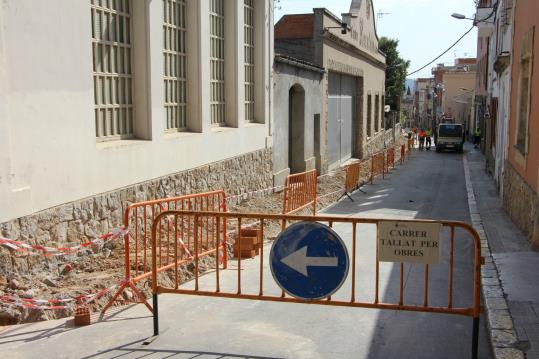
{"type": "Point", "coordinates": [56, 304]}
{"type": "Point", "coordinates": [51, 251]}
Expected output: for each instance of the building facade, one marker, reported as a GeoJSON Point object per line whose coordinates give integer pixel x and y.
{"type": "Point", "coordinates": [521, 179]}
{"type": "Point", "coordinates": [457, 97]}
{"type": "Point", "coordinates": [499, 84]}
{"type": "Point", "coordinates": [119, 101]}
{"type": "Point", "coordinates": [454, 89]}
{"type": "Point", "coordinates": [423, 102]}
{"type": "Point", "coordinates": [484, 12]}
{"type": "Point", "coordinates": [296, 139]}
{"type": "Point", "coordinates": [347, 48]}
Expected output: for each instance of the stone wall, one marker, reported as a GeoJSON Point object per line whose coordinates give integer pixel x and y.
{"type": "Point", "coordinates": [382, 140]}
{"type": "Point", "coordinates": [520, 200]}
{"type": "Point", "coordinates": [86, 219]}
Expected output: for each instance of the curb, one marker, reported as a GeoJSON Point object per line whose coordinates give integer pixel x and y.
{"type": "Point", "coordinates": [502, 333]}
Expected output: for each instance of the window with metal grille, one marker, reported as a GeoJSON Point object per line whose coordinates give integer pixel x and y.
{"type": "Point", "coordinates": [175, 77]}
{"type": "Point", "coordinates": [112, 66]}
{"type": "Point", "coordinates": [377, 113]}
{"type": "Point", "coordinates": [249, 49]}
{"type": "Point", "coordinates": [217, 62]}
{"type": "Point", "coordinates": [369, 115]}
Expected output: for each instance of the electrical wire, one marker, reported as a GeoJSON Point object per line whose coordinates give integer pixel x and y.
{"type": "Point", "coordinates": [443, 53]}
{"type": "Point", "coordinates": [493, 13]}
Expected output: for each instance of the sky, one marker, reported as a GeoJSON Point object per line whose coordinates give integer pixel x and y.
{"type": "Point", "coordinates": [424, 28]}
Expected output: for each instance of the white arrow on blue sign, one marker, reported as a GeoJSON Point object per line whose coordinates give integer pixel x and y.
{"type": "Point", "coordinates": [308, 260]}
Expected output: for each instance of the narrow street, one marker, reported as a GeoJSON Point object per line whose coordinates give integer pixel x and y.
{"type": "Point", "coordinates": [430, 185]}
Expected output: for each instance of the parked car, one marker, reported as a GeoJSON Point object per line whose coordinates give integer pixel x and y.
{"type": "Point", "coordinates": [450, 136]}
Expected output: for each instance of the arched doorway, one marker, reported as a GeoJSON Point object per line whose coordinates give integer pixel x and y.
{"type": "Point", "coordinates": [296, 129]}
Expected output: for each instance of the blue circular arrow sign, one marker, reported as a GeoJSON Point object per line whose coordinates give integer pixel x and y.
{"type": "Point", "coordinates": [308, 260]}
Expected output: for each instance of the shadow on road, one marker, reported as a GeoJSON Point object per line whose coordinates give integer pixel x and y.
{"type": "Point", "coordinates": [19, 334]}
{"type": "Point", "coordinates": [136, 350]}
{"type": "Point", "coordinates": [430, 185]}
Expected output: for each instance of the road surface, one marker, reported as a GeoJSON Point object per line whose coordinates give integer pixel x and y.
{"type": "Point", "coordinates": [430, 186]}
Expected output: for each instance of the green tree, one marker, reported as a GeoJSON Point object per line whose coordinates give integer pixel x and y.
{"type": "Point", "coordinates": [396, 71]}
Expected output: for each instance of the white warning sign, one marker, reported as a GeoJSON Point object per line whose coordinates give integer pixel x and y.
{"type": "Point", "coordinates": [409, 242]}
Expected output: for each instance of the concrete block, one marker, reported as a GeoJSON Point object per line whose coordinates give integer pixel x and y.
{"type": "Point", "coordinates": [491, 281]}
{"type": "Point", "coordinates": [508, 353]}
{"type": "Point", "coordinates": [503, 338]}
{"type": "Point", "coordinates": [495, 303]}
{"type": "Point", "coordinates": [500, 319]}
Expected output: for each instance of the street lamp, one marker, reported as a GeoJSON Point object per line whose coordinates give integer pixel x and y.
{"type": "Point", "coordinates": [456, 15]}
{"type": "Point", "coordinates": [476, 21]}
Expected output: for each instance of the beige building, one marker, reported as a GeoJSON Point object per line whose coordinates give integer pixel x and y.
{"type": "Point", "coordinates": [119, 101]}
{"type": "Point", "coordinates": [351, 119]}
{"type": "Point", "coordinates": [457, 97]}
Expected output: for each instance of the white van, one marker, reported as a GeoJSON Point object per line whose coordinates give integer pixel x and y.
{"type": "Point", "coordinates": [450, 136]}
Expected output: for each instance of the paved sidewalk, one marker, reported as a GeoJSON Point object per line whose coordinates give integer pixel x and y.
{"type": "Point", "coordinates": [517, 265]}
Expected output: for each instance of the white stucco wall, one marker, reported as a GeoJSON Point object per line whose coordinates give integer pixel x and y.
{"type": "Point", "coordinates": [49, 151]}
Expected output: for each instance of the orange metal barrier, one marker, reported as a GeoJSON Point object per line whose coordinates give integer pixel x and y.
{"type": "Point", "coordinates": [378, 166]}
{"type": "Point", "coordinates": [300, 192]}
{"type": "Point", "coordinates": [138, 218]}
{"type": "Point", "coordinates": [413, 301]}
{"type": "Point", "coordinates": [403, 153]}
{"type": "Point", "coordinates": [352, 177]}
{"type": "Point", "coordinates": [390, 161]}
{"type": "Point", "coordinates": [353, 173]}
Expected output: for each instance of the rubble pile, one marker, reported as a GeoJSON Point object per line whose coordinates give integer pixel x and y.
{"type": "Point", "coordinates": [72, 279]}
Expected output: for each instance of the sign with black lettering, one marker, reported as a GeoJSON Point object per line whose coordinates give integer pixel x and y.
{"type": "Point", "coordinates": [409, 242]}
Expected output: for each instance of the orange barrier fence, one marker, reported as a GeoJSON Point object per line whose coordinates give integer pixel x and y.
{"type": "Point", "coordinates": [138, 218]}
{"type": "Point", "coordinates": [453, 273]}
{"type": "Point", "coordinates": [352, 177]}
{"type": "Point", "coordinates": [403, 154]}
{"type": "Point", "coordinates": [390, 160]}
{"type": "Point", "coordinates": [353, 173]}
{"type": "Point", "coordinates": [378, 165]}
{"type": "Point", "coordinates": [300, 192]}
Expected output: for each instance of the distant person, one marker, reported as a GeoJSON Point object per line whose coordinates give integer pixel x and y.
{"type": "Point", "coordinates": [422, 136]}
{"type": "Point", "coordinates": [428, 135]}
{"type": "Point", "coordinates": [477, 137]}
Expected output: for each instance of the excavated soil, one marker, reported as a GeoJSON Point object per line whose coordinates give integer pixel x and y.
{"type": "Point", "coordinates": [102, 266]}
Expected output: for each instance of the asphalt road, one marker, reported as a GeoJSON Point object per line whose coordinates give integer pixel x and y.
{"type": "Point", "coordinates": [429, 186]}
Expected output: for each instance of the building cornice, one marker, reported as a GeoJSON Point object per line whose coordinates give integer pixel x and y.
{"type": "Point", "coordinates": [299, 63]}
{"type": "Point", "coordinates": [356, 50]}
